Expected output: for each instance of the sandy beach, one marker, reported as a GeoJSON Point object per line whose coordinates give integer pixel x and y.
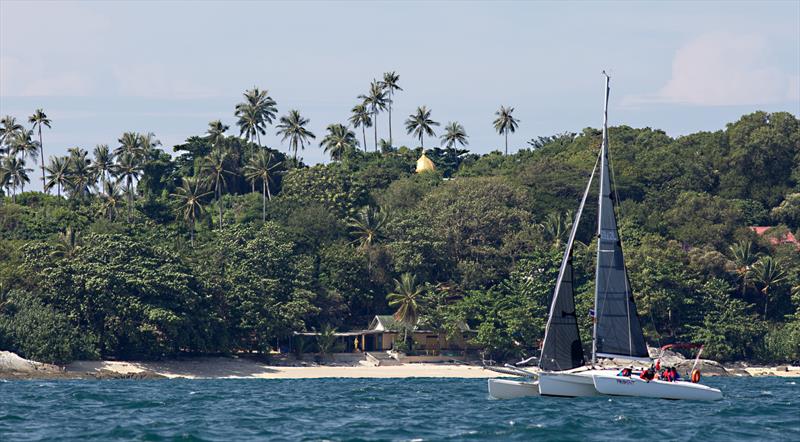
{"type": "Point", "coordinates": [221, 368]}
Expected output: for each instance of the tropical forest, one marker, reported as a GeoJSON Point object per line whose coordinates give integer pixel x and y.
{"type": "Point", "coordinates": [224, 245]}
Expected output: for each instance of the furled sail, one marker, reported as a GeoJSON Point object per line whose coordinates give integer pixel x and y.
{"type": "Point", "coordinates": [618, 332]}
{"type": "Point", "coordinates": [562, 348]}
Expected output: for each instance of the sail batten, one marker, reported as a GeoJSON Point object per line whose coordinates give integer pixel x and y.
{"type": "Point", "coordinates": [617, 330]}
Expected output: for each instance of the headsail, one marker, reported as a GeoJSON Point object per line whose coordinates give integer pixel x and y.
{"type": "Point", "coordinates": [617, 331]}
{"type": "Point", "coordinates": [562, 348]}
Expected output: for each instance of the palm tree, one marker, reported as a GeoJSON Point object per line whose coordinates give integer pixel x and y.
{"type": "Point", "coordinates": [17, 172]}
{"type": "Point", "coordinates": [39, 119]}
{"type": "Point", "coordinates": [5, 178]}
{"type": "Point", "coordinates": [189, 196]}
{"type": "Point", "coordinates": [58, 173]}
{"type": "Point", "coordinates": [260, 168]}
{"type": "Point", "coordinates": [216, 133]}
{"type": "Point", "coordinates": [22, 142]}
{"type": "Point", "coordinates": [556, 227]}
{"type": "Point", "coordinates": [103, 163]}
{"type": "Point", "coordinates": [214, 169]}
{"type": "Point", "coordinates": [258, 110]}
{"type": "Point", "coordinates": [110, 199]}
{"type": "Point", "coordinates": [505, 122]}
{"type": "Point", "coordinates": [80, 173]}
{"type": "Point", "coordinates": [404, 298]}
{"type": "Point", "coordinates": [128, 168]}
{"type": "Point", "coordinates": [390, 84]}
{"type": "Point", "coordinates": [130, 143]}
{"type": "Point", "coordinates": [375, 101]}
{"type": "Point", "coordinates": [326, 340]}
{"type": "Point", "coordinates": [339, 140]}
{"type": "Point", "coordinates": [420, 124]}
{"type": "Point", "coordinates": [454, 133]}
{"type": "Point", "coordinates": [69, 241]}
{"type": "Point", "coordinates": [742, 259]}
{"type": "Point", "coordinates": [368, 225]}
{"type": "Point", "coordinates": [148, 142]}
{"type": "Point", "coordinates": [293, 127]}
{"type": "Point", "coordinates": [8, 128]}
{"type": "Point", "coordinates": [768, 273]}
{"type": "Point", "coordinates": [360, 118]}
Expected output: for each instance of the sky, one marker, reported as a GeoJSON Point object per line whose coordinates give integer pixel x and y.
{"type": "Point", "coordinates": [101, 68]}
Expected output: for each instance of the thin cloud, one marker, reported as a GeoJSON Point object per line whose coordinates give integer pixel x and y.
{"type": "Point", "coordinates": [722, 69]}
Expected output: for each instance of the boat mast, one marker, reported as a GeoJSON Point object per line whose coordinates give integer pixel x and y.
{"type": "Point", "coordinates": [603, 190]}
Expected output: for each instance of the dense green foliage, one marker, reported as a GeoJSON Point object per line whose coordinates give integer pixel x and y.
{"type": "Point", "coordinates": [230, 246]}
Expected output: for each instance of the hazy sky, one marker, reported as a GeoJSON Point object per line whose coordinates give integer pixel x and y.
{"type": "Point", "coordinates": [102, 68]}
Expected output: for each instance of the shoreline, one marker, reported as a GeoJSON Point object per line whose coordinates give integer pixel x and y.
{"type": "Point", "coordinates": [220, 367]}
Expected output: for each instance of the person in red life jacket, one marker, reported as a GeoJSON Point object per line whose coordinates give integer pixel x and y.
{"type": "Point", "coordinates": [675, 375]}
{"type": "Point", "coordinates": [626, 372]}
{"type": "Point", "coordinates": [649, 374]}
{"type": "Point", "coordinates": [658, 364]}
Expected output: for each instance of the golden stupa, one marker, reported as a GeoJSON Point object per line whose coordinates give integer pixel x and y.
{"type": "Point", "coordinates": [424, 164]}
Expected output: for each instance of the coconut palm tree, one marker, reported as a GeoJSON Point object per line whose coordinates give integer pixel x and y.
{"type": "Point", "coordinates": [128, 168]}
{"type": "Point", "coordinates": [8, 128]}
{"type": "Point", "coordinates": [110, 199]}
{"type": "Point", "coordinates": [130, 143]}
{"type": "Point", "coordinates": [5, 178]}
{"type": "Point", "coordinates": [68, 243]}
{"type": "Point", "coordinates": [39, 119]}
{"type": "Point", "coordinates": [338, 140]}
{"type": "Point", "coordinates": [454, 133]}
{"type": "Point", "coordinates": [257, 110]}
{"type": "Point", "coordinates": [148, 142]}
{"type": "Point", "coordinates": [405, 298]}
{"type": "Point", "coordinates": [556, 227]}
{"type": "Point", "coordinates": [767, 272]}
{"type": "Point", "coordinates": [189, 197]}
{"type": "Point", "coordinates": [216, 133]}
{"type": "Point", "coordinates": [375, 101]}
{"type": "Point", "coordinates": [57, 173]}
{"type": "Point", "coordinates": [743, 256]}
{"type": "Point", "coordinates": [214, 169]}
{"type": "Point", "coordinates": [103, 163]}
{"type": "Point", "coordinates": [505, 122]}
{"type": "Point", "coordinates": [17, 174]}
{"type": "Point", "coordinates": [360, 117]}
{"type": "Point", "coordinates": [80, 174]}
{"type": "Point", "coordinates": [368, 226]}
{"type": "Point", "coordinates": [260, 167]}
{"type": "Point", "coordinates": [293, 127]}
{"type": "Point", "coordinates": [390, 84]}
{"type": "Point", "coordinates": [22, 142]}
{"type": "Point", "coordinates": [420, 124]}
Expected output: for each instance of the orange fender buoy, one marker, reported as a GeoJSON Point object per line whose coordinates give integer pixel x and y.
{"type": "Point", "coordinates": [696, 375]}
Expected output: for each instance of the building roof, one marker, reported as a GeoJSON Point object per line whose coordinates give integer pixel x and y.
{"type": "Point", "coordinates": [786, 238]}
{"type": "Point", "coordinates": [385, 323]}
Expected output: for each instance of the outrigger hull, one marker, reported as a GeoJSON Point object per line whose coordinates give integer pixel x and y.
{"type": "Point", "coordinates": [679, 390]}
{"type": "Point", "coordinates": [512, 389]}
{"type": "Point", "coordinates": [567, 384]}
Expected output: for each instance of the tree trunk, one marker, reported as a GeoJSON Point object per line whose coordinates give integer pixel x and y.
{"type": "Point", "coordinates": [506, 142]}
{"type": "Point", "coordinates": [390, 119]}
{"type": "Point", "coordinates": [375, 126]}
{"type": "Point", "coordinates": [130, 199]}
{"type": "Point", "coordinates": [41, 150]}
{"type": "Point", "coordinates": [766, 303]}
{"type": "Point", "coordinates": [219, 203]}
{"type": "Point", "coordinates": [364, 134]}
{"type": "Point", "coordinates": [264, 201]}
{"type": "Point", "coordinates": [191, 232]}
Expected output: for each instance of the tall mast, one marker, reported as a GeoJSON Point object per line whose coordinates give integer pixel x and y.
{"type": "Point", "coordinates": [603, 191]}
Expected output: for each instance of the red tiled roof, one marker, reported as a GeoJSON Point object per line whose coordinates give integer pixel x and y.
{"type": "Point", "coordinates": [787, 238]}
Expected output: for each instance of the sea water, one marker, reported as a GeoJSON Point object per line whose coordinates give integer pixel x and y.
{"type": "Point", "coordinates": [382, 409]}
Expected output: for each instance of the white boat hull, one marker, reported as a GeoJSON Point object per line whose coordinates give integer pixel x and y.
{"type": "Point", "coordinates": [578, 384]}
{"type": "Point", "coordinates": [624, 386]}
{"type": "Point", "coordinates": [511, 389]}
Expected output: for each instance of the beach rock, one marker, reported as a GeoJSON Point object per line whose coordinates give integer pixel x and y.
{"type": "Point", "coordinates": [12, 362]}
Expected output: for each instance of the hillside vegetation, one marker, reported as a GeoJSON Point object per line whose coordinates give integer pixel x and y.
{"type": "Point", "coordinates": [229, 246]}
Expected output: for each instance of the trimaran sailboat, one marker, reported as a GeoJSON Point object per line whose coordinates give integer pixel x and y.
{"type": "Point", "coordinates": [617, 332]}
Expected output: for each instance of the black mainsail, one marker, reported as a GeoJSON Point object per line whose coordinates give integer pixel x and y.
{"type": "Point", "coordinates": [617, 331]}
{"type": "Point", "coordinates": [562, 348]}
